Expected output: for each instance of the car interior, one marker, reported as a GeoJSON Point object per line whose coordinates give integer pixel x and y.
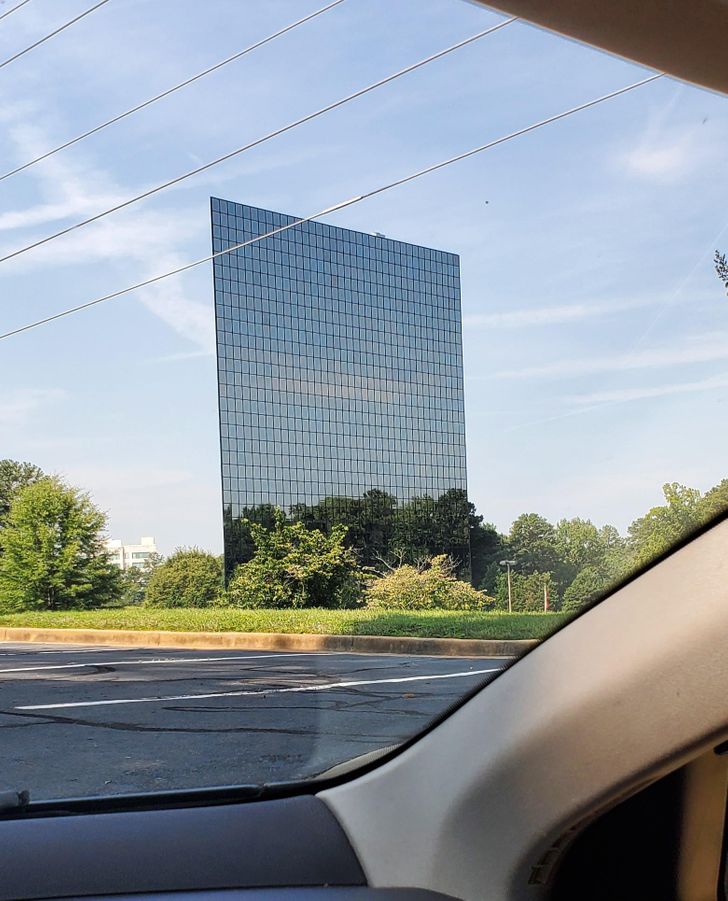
{"type": "Point", "coordinates": [595, 766]}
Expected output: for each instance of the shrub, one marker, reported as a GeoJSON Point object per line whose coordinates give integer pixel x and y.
{"type": "Point", "coordinates": [294, 566]}
{"type": "Point", "coordinates": [434, 586]}
{"type": "Point", "coordinates": [189, 578]}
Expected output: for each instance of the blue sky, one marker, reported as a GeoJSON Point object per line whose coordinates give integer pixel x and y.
{"type": "Point", "coordinates": [595, 331]}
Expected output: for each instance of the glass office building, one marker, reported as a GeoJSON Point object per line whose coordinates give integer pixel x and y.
{"type": "Point", "coordinates": [340, 384]}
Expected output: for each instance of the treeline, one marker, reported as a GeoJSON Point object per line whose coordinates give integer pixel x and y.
{"type": "Point", "coordinates": [379, 527]}
{"type": "Point", "coordinates": [561, 565]}
{"type": "Point", "coordinates": [384, 554]}
{"type": "Point", "coordinates": [578, 561]}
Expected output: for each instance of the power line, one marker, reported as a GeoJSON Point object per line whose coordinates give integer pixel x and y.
{"type": "Point", "coordinates": [14, 9]}
{"type": "Point", "coordinates": [258, 141]}
{"type": "Point", "coordinates": [337, 206]}
{"type": "Point", "coordinates": [168, 91]}
{"type": "Point", "coordinates": [58, 30]}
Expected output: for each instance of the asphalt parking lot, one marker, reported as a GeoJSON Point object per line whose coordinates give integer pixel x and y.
{"type": "Point", "coordinates": [80, 721]}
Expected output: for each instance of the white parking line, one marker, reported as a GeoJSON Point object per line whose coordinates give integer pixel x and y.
{"type": "Point", "coordinates": [157, 661]}
{"type": "Point", "coordinates": [264, 693]}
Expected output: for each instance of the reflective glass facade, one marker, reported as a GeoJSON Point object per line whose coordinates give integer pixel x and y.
{"type": "Point", "coordinates": [340, 371]}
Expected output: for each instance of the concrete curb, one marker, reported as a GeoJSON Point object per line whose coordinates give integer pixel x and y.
{"type": "Point", "coordinates": [275, 641]}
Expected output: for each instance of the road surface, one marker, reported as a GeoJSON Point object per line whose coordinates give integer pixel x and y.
{"type": "Point", "coordinates": [78, 721]}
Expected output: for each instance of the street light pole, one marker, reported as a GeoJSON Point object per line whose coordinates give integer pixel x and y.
{"type": "Point", "coordinates": [509, 564]}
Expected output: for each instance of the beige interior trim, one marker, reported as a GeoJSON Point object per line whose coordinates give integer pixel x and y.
{"type": "Point", "coordinates": [685, 38]}
{"type": "Point", "coordinates": [626, 693]}
{"type": "Point", "coordinates": [704, 809]}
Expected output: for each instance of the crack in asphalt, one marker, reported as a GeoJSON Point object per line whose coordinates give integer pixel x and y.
{"type": "Point", "coordinates": [45, 719]}
{"type": "Point", "coordinates": [357, 708]}
{"type": "Point", "coordinates": [42, 721]}
{"type": "Point", "coordinates": [129, 676]}
{"type": "Point", "coordinates": [350, 701]}
{"type": "Point", "coordinates": [292, 669]}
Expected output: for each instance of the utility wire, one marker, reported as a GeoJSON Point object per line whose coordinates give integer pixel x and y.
{"type": "Point", "coordinates": [168, 91]}
{"type": "Point", "coordinates": [258, 141]}
{"type": "Point", "coordinates": [16, 7]}
{"type": "Point", "coordinates": [337, 206]}
{"type": "Point", "coordinates": [58, 30]}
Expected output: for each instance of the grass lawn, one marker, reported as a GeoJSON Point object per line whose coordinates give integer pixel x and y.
{"type": "Point", "coordinates": [425, 624]}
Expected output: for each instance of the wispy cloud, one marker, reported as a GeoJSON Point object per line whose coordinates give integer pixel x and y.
{"type": "Point", "coordinates": [67, 190]}
{"type": "Point", "coordinates": [137, 238]}
{"type": "Point", "coordinates": [553, 315]}
{"type": "Point", "coordinates": [588, 402]}
{"type": "Point", "coordinates": [170, 302]}
{"type": "Point", "coordinates": [151, 242]}
{"type": "Point", "coordinates": [699, 349]}
{"type": "Point", "coordinates": [664, 162]}
{"type": "Point", "coordinates": [17, 407]}
{"type": "Point", "coordinates": [669, 147]}
{"type": "Point", "coordinates": [622, 395]}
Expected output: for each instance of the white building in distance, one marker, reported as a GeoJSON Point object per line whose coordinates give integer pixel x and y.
{"type": "Point", "coordinates": [127, 555]}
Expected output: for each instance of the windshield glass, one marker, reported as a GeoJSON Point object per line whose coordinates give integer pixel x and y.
{"type": "Point", "coordinates": [346, 351]}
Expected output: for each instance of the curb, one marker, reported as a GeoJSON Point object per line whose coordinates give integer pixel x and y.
{"type": "Point", "coordinates": [275, 641]}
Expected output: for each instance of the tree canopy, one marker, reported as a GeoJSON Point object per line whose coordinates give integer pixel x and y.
{"type": "Point", "coordinates": [532, 544]}
{"type": "Point", "coordinates": [715, 501]}
{"type": "Point", "coordinates": [14, 476]}
{"type": "Point", "coordinates": [53, 554]}
{"type": "Point", "coordinates": [662, 526]}
{"type": "Point", "coordinates": [381, 529]}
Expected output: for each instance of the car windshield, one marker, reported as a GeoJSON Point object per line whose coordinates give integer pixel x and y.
{"type": "Point", "coordinates": [346, 351]}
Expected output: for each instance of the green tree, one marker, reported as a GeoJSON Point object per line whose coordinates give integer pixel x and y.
{"type": "Point", "coordinates": [580, 544]}
{"type": "Point", "coordinates": [588, 585]}
{"type": "Point", "coordinates": [429, 527]}
{"type": "Point", "coordinates": [490, 578]}
{"type": "Point", "coordinates": [596, 580]}
{"type": "Point", "coordinates": [486, 549]}
{"type": "Point", "coordinates": [13, 477]}
{"type": "Point", "coordinates": [190, 577]}
{"type": "Point", "coordinates": [532, 544]}
{"type": "Point", "coordinates": [239, 544]}
{"type": "Point", "coordinates": [527, 592]}
{"type": "Point", "coordinates": [413, 530]}
{"type": "Point", "coordinates": [369, 522]}
{"type": "Point", "coordinates": [294, 566]}
{"type": "Point", "coordinates": [433, 585]}
{"type": "Point", "coordinates": [611, 539]}
{"type": "Point", "coordinates": [382, 531]}
{"type": "Point", "coordinates": [451, 530]}
{"type": "Point", "coordinates": [53, 555]}
{"type": "Point", "coordinates": [715, 501]}
{"type": "Point", "coordinates": [661, 527]}
{"type": "Point", "coordinates": [135, 580]}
